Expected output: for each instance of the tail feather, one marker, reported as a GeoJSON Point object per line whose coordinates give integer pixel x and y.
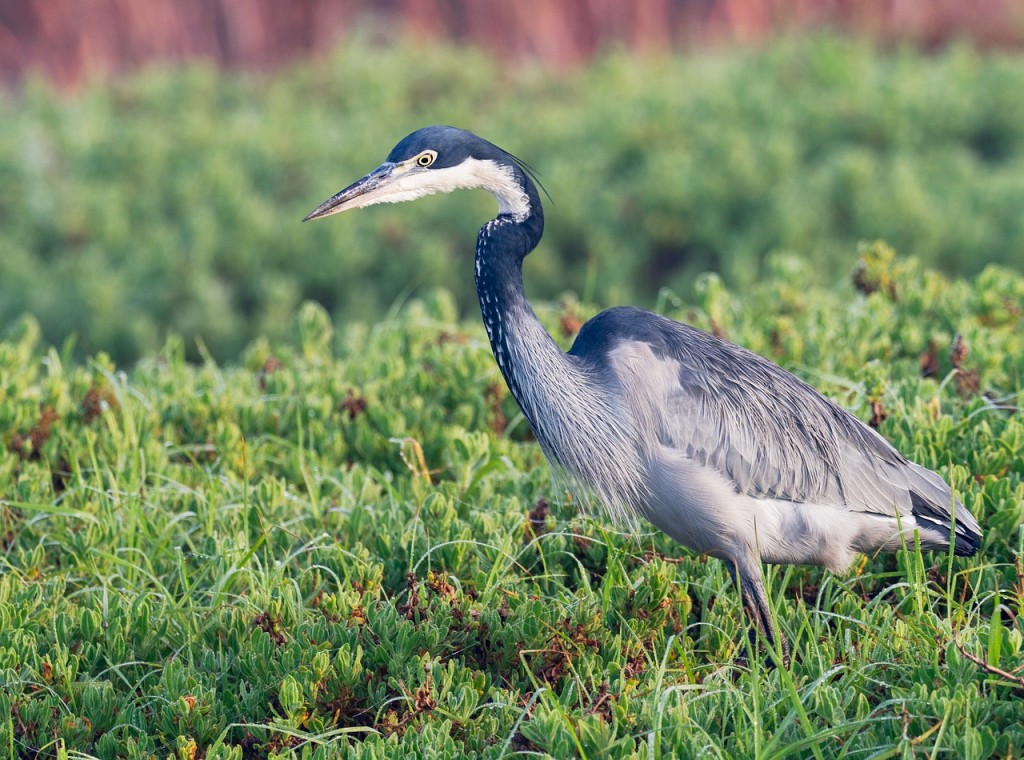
{"type": "Point", "coordinates": [934, 506]}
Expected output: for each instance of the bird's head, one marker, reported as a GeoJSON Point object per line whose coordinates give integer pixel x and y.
{"type": "Point", "coordinates": [438, 160]}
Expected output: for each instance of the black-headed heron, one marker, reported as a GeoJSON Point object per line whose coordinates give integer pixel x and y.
{"type": "Point", "coordinates": [720, 448]}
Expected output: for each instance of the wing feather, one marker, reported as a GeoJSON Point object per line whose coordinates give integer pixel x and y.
{"type": "Point", "coordinates": [771, 434]}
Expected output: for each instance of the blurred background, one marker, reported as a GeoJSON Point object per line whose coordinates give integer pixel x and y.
{"type": "Point", "coordinates": [157, 157]}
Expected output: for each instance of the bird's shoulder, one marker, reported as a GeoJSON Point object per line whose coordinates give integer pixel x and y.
{"type": "Point", "coordinates": [608, 329]}
{"type": "Point", "coordinates": [701, 357]}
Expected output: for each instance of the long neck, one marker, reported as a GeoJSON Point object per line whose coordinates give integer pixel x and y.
{"type": "Point", "coordinates": [521, 345]}
{"type": "Point", "coordinates": [578, 424]}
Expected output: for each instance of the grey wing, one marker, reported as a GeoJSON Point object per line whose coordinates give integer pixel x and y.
{"type": "Point", "coordinates": [769, 433]}
{"type": "Point", "coordinates": [774, 436]}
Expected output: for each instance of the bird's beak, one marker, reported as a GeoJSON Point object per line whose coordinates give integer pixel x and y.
{"type": "Point", "coordinates": [364, 192]}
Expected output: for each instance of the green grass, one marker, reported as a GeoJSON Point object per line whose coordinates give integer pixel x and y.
{"type": "Point", "coordinates": [347, 544]}
{"type": "Point", "coordinates": [171, 200]}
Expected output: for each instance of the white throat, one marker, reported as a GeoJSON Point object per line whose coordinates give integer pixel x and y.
{"type": "Point", "coordinates": [473, 173]}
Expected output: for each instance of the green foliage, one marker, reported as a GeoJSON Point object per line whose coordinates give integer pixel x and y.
{"type": "Point", "coordinates": [171, 201]}
{"type": "Point", "coordinates": [345, 546]}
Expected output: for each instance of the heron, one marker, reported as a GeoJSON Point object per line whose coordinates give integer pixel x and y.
{"type": "Point", "coordinates": [720, 448]}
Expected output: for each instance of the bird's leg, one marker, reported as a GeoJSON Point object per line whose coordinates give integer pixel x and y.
{"type": "Point", "coordinates": [755, 600]}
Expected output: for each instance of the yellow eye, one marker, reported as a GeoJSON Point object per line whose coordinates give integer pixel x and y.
{"type": "Point", "coordinates": [426, 158]}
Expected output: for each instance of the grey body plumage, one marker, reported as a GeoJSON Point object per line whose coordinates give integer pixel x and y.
{"type": "Point", "coordinates": [718, 447]}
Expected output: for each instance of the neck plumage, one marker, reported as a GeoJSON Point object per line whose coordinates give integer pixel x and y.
{"type": "Point", "coordinates": [519, 341]}
{"type": "Point", "coordinates": [577, 423]}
